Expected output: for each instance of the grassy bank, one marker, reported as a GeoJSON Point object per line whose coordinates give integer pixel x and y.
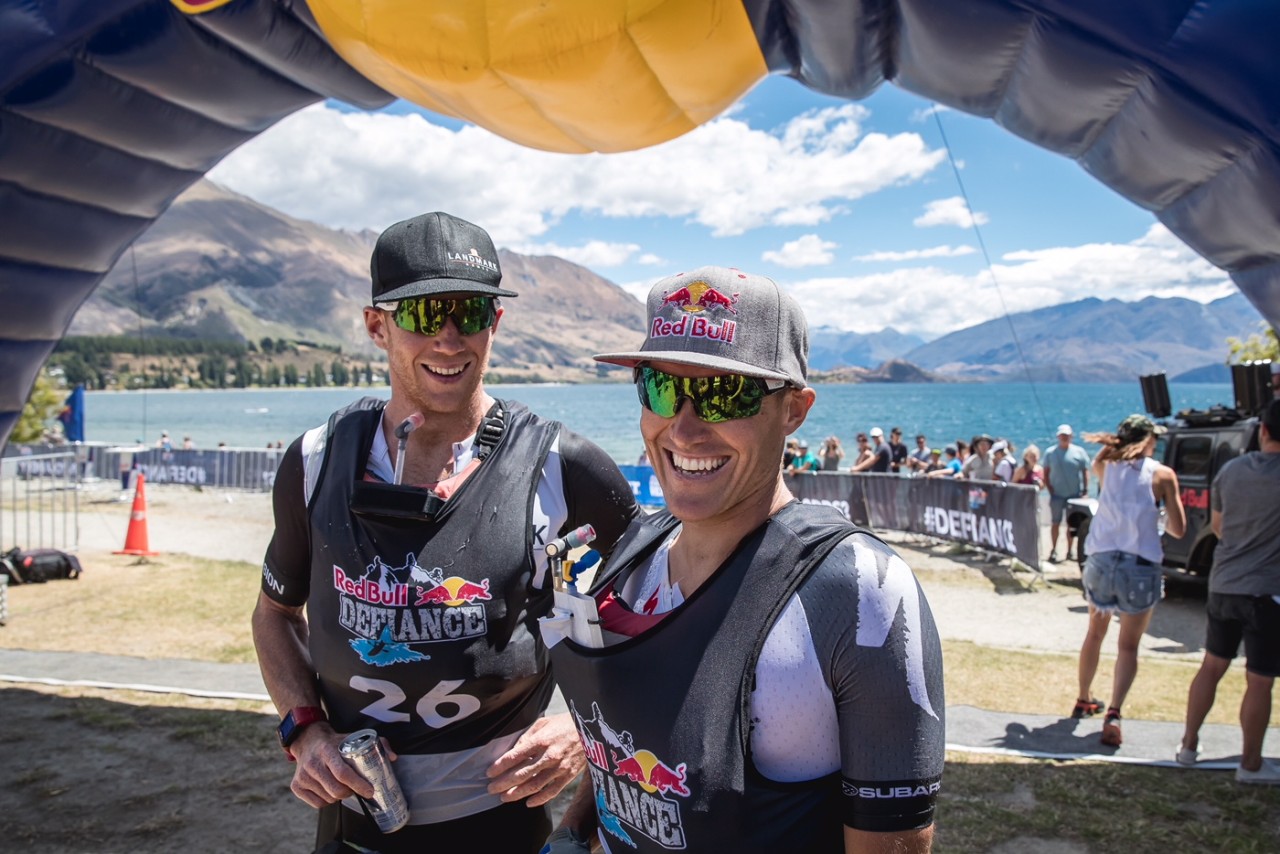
{"type": "Point", "coordinates": [177, 606]}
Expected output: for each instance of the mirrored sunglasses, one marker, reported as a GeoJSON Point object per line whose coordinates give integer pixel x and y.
{"type": "Point", "coordinates": [715, 399]}
{"type": "Point", "coordinates": [427, 316]}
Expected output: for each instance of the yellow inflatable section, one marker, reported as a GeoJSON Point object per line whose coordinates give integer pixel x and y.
{"type": "Point", "coordinates": [560, 75]}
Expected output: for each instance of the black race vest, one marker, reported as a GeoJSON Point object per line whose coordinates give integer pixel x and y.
{"type": "Point", "coordinates": [663, 716]}
{"type": "Point", "coordinates": [425, 629]}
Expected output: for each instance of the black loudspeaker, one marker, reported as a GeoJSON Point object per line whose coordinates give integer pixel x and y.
{"type": "Point", "coordinates": [1251, 383]}
{"type": "Point", "coordinates": [1155, 395]}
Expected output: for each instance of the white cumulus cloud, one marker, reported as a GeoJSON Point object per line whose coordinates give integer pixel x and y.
{"type": "Point", "coordinates": [592, 254]}
{"type": "Point", "coordinates": [952, 211]}
{"type": "Point", "coordinates": [932, 301]}
{"type": "Point", "coordinates": [917, 254]}
{"type": "Point", "coordinates": [360, 170]}
{"type": "Point", "coordinates": [807, 251]}
{"type": "Point", "coordinates": [639, 289]}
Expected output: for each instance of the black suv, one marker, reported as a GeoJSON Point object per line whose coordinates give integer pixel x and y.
{"type": "Point", "coordinates": [1197, 444]}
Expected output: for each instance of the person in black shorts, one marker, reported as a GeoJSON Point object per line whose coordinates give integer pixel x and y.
{"type": "Point", "coordinates": [770, 676]}
{"type": "Point", "coordinates": [1244, 600]}
{"type": "Point", "coordinates": [411, 531]}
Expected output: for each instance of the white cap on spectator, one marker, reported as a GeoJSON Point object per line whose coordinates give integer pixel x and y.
{"type": "Point", "coordinates": [1065, 430]}
{"type": "Point", "coordinates": [1000, 446]}
{"type": "Point", "coordinates": [876, 431]}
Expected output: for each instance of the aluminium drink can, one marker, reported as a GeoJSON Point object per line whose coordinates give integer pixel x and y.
{"type": "Point", "coordinates": [388, 807]}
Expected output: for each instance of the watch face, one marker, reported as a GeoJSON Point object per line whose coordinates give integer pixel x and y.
{"type": "Point", "coordinates": [297, 720]}
{"type": "Point", "coordinates": [287, 730]}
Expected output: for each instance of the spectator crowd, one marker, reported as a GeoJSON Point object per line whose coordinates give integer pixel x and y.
{"type": "Point", "coordinates": [1063, 471]}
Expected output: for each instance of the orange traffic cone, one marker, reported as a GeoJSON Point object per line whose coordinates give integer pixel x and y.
{"type": "Point", "coordinates": [135, 540]}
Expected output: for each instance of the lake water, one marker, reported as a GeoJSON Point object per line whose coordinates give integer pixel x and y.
{"type": "Point", "coordinates": [609, 414]}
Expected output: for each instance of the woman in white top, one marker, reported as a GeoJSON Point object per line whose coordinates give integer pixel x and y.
{"type": "Point", "coordinates": [1123, 572]}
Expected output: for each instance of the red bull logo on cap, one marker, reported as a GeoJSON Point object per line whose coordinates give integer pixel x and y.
{"type": "Point", "coordinates": [698, 296]}
{"type": "Point", "coordinates": [635, 790]}
{"type": "Point", "coordinates": [693, 300]}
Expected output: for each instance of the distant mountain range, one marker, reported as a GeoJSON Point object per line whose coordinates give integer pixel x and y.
{"type": "Point", "coordinates": [831, 348]}
{"type": "Point", "coordinates": [220, 265]}
{"type": "Point", "coordinates": [1094, 340]}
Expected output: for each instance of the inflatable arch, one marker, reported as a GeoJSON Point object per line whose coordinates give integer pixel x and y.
{"type": "Point", "coordinates": [110, 108]}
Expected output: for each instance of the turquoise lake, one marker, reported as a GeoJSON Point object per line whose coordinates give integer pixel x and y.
{"type": "Point", "coordinates": [609, 414]}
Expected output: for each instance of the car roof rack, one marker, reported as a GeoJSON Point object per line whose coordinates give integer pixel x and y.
{"type": "Point", "coordinates": [1215, 416]}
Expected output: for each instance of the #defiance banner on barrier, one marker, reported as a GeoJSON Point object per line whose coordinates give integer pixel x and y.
{"type": "Point", "coordinates": [994, 516]}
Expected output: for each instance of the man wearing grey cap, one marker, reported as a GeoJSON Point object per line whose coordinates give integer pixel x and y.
{"type": "Point", "coordinates": [411, 530]}
{"type": "Point", "coordinates": [770, 677]}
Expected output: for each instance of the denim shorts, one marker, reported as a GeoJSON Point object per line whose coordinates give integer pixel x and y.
{"type": "Point", "coordinates": [1058, 508]}
{"type": "Point", "coordinates": [1123, 582]}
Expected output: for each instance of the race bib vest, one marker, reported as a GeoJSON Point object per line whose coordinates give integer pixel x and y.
{"type": "Point", "coordinates": [663, 716]}
{"type": "Point", "coordinates": [422, 615]}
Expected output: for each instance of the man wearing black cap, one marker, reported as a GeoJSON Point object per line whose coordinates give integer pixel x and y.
{"type": "Point", "coordinates": [770, 677]}
{"type": "Point", "coordinates": [411, 530]}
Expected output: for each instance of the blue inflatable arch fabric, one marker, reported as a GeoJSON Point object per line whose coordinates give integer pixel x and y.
{"type": "Point", "coordinates": [1174, 104]}
{"type": "Point", "coordinates": [110, 109]}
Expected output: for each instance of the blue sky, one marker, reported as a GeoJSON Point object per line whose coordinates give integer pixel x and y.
{"type": "Point", "coordinates": [852, 206]}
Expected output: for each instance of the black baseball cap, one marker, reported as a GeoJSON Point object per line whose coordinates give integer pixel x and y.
{"type": "Point", "coordinates": [1271, 418]}
{"type": "Point", "coordinates": [435, 253]}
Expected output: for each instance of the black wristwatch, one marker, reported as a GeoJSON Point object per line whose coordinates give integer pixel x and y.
{"type": "Point", "coordinates": [298, 719]}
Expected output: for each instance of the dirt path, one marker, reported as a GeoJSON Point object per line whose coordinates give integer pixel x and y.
{"type": "Point", "coordinates": [105, 772]}
{"type": "Point", "coordinates": [974, 600]}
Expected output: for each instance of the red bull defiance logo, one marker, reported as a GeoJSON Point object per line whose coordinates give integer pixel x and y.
{"type": "Point", "coordinates": [390, 609]}
{"type": "Point", "coordinates": [695, 301]}
{"type": "Point", "coordinates": [635, 790]}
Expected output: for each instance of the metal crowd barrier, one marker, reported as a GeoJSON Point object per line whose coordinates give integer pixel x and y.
{"type": "Point", "coordinates": [248, 469]}
{"type": "Point", "coordinates": [40, 500]}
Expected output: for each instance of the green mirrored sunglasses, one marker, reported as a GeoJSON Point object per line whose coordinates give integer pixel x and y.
{"type": "Point", "coordinates": [715, 399]}
{"type": "Point", "coordinates": [427, 316]}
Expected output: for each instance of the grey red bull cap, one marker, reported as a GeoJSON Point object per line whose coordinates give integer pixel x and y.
{"type": "Point", "coordinates": [726, 320]}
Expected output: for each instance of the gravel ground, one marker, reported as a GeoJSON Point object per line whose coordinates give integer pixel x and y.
{"type": "Point", "coordinates": [988, 602]}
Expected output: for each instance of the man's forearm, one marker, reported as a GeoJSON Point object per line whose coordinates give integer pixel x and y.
{"type": "Point", "coordinates": [280, 638]}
